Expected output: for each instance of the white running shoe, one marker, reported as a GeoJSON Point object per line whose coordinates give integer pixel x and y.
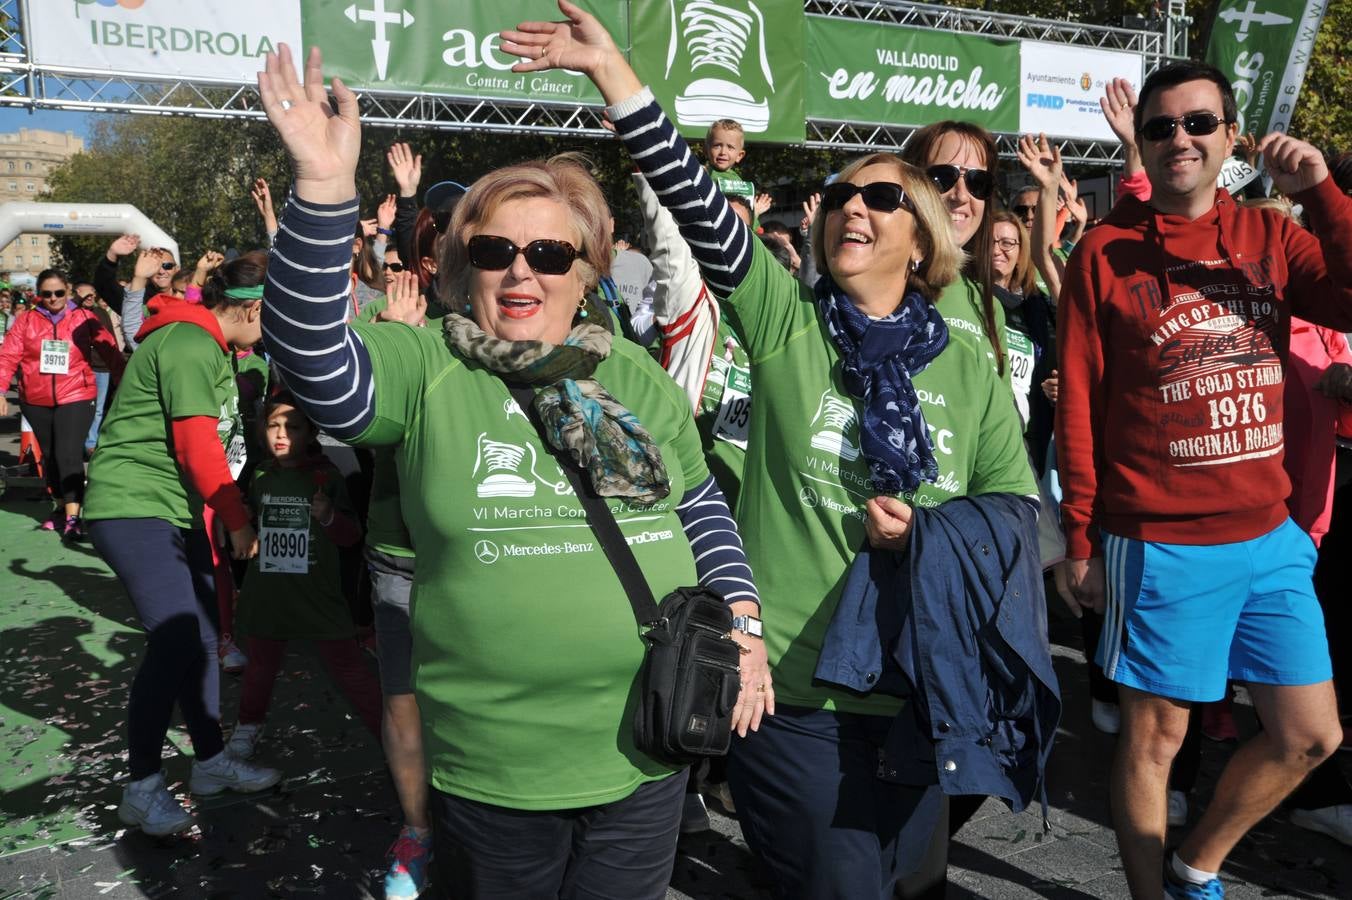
{"type": "Point", "coordinates": [223, 771]}
{"type": "Point", "coordinates": [1178, 808]}
{"type": "Point", "coordinates": [244, 740]}
{"type": "Point", "coordinates": [148, 805]}
{"type": "Point", "coordinates": [1335, 821]}
{"type": "Point", "coordinates": [233, 659]}
{"type": "Point", "coordinates": [1107, 717]}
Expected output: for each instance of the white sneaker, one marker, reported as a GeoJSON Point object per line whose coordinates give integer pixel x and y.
{"type": "Point", "coordinates": [1335, 821]}
{"type": "Point", "coordinates": [1106, 717]}
{"type": "Point", "coordinates": [1178, 808]}
{"type": "Point", "coordinates": [232, 658]}
{"type": "Point", "coordinates": [148, 805]}
{"type": "Point", "coordinates": [223, 771]}
{"type": "Point", "coordinates": [244, 740]}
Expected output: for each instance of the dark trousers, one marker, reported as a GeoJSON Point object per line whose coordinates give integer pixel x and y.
{"type": "Point", "coordinates": [344, 662]}
{"type": "Point", "coordinates": [60, 432]}
{"type": "Point", "coordinates": [618, 851]}
{"type": "Point", "coordinates": [167, 573]}
{"type": "Point", "coordinates": [812, 808]}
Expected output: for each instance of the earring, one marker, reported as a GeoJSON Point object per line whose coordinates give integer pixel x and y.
{"type": "Point", "coordinates": [915, 265]}
{"type": "Point", "coordinates": [468, 308]}
{"type": "Point", "coordinates": [582, 308]}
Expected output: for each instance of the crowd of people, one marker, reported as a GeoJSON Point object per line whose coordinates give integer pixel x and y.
{"type": "Point", "coordinates": [876, 430]}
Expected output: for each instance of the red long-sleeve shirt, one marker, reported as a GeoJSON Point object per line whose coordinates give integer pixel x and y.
{"type": "Point", "coordinates": [1173, 335]}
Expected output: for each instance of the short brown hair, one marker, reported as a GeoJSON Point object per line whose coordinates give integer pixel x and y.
{"type": "Point", "coordinates": [726, 125]}
{"type": "Point", "coordinates": [942, 263]}
{"type": "Point", "coordinates": [566, 180]}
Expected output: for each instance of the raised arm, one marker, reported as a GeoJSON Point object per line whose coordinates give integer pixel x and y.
{"type": "Point", "coordinates": [721, 243]}
{"type": "Point", "coordinates": [1043, 161]}
{"type": "Point", "coordinates": [305, 298]}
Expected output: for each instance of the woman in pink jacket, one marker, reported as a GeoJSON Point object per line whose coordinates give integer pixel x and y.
{"type": "Point", "coordinates": [51, 347]}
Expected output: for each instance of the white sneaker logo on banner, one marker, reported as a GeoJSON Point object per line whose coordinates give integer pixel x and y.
{"type": "Point", "coordinates": [380, 44]}
{"type": "Point", "coordinates": [717, 35]}
{"type": "Point", "coordinates": [839, 427]}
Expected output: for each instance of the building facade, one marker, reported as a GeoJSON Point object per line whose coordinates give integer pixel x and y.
{"type": "Point", "coordinates": [26, 156]}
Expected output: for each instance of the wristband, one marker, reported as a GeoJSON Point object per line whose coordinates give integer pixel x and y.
{"type": "Point", "coordinates": [385, 231]}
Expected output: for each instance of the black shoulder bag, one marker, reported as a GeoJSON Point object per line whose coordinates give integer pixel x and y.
{"type": "Point", "coordinates": [690, 677]}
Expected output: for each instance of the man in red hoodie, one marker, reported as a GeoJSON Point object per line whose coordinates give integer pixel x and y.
{"type": "Point", "coordinates": [1175, 324]}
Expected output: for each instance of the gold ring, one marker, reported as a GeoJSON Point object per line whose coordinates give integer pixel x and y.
{"type": "Point", "coordinates": [760, 688]}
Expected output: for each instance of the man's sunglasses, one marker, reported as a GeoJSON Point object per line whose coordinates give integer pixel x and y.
{"type": "Point", "coordinates": [1024, 210]}
{"type": "Point", "coordinates": [979, 182]}
{"type": "Point", "coordinates": [395, 267]}
{"type": "Point", "coordinates": [879, 196]}
{"type": "Point", "coordinates": [1161, 128]}
{"type": "Point", "coordinates": [47, 295]}
{"type": "Point", "coordinates": [546, 257]}
{"type": "Point", "coordinates": [83, 297]}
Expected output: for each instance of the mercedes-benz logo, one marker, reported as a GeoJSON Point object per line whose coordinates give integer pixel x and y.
{"type": "Point", "coordinates": [486, 552]}
{"type": "Point", "coordinates": [808, 496]}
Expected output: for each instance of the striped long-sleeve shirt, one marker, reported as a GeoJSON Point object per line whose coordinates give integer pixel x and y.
{"type": "Point", "coordinates": [328, 369]}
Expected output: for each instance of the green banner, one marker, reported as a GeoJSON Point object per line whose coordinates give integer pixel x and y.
{"type": "Point", "coordinates": [1264, 47]}
{"type": "Point", "coordinates": [896, 75]}
{"type": "Point", "coordinates": [730, 59]}
{"type": "Point", "coordinates": [441, 47]}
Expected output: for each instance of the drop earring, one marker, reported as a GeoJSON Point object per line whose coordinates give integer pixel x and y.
{"type": "Point", "coordinates": [582, 308]}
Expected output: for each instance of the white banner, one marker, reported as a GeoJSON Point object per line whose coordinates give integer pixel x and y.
{"type": "Point", "coordinates": [161, 38]}
{"type": "Point", "coordinates": [1060, 87]}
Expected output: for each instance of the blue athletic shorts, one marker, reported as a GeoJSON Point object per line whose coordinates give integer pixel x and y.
{"type": "Point", "coordinates": [1181, 619]}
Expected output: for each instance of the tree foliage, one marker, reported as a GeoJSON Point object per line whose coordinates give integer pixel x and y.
{"type": "Point", "coordinates": [1324, 109]}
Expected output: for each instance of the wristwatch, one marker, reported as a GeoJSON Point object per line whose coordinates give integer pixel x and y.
{"type": "Point", "coordinates": [749, 625]}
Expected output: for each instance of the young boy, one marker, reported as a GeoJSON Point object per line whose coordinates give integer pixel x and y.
{"type": "Point", "coordinates": [724, 149]}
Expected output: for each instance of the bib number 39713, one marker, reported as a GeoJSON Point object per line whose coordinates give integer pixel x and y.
{"type": "Point", "coordinates": [284, 538]}
{"type": "Point", "coordinates": [55, 358]}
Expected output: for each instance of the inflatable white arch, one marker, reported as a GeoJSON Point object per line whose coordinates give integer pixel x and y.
{"type": "Point", "coordinates": [21, 217]}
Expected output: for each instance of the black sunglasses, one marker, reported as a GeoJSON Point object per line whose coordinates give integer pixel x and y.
{"type": "Point", "coordinates": [47, 295]}
{"type": "Point", "coordinates": [879, 196]}
{"type": "Point", "coordinates": [1161, 128]}
{"type": "Point", "coordinates": [1024, 210]}
{"type": "Point", "coordinates": [979, 182]}
{"type": "Point", "coordinates": [493, 254]}
{"type": "Point", "coordinates": [395, 267]}
{"type": "Point", "coordinates": [84, 297]}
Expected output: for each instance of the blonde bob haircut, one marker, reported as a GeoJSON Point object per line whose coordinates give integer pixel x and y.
{"type": "Point", "coordinates": [1023, 279]}
{"type": "Point", "coordinates": [566, 179]}
{"type": "Point", "coordinates": [943, 259]}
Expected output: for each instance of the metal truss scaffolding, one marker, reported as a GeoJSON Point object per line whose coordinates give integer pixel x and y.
{"type": "Point", "coordinates": [28, 85]}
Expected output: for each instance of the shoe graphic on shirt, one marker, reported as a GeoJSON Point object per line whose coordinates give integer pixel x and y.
{"type": "Point", "coordinates": [836, 421]}
{"type": "Point", "coordinates": [502, 464]}
{"type": "Point", "coordinates": [716, 38]}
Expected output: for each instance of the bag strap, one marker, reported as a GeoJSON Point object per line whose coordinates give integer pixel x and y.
{"type": "Point", "coordinates": [602, 522]}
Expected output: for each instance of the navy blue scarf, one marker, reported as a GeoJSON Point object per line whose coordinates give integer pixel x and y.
{"type": "Point", "coordinates": [878, 360]}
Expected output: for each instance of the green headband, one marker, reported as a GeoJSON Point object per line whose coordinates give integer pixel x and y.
{"type": "Point", "coordinates": [245, 293]}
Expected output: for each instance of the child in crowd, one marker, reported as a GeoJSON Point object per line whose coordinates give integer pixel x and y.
{"type": "Point", "coordinates": [293, 589]}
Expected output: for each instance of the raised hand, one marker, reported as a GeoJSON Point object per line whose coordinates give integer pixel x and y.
{"type": "Point", "coordinates": [368, 227]}
{"type": "Point", "coordinates": [1119, 108]}
{"type": "Point", "coordinates": [763, 204]}
{"type": "Point", "coordinates": [407, 168]}
{"type": "Point", "coordinates": [323, 144]}
{"type": "Point", "coordinates": [147, 264]}
{"type": "Point", "coordinates": [809, 212]}
{"type": "Point", "coordinates": [404, 302]}
{"type": "Point", "coordinates": [385, 212]}
{"type": "Point", "coordinates": [210, 261]}
{"type": "Point", "coordinates": [1070, 190]}
{"type": "Point", "coordinates": [1293, 164]}
{"type": "Point", "coordinates": [579, 43]}
{"type": "Point", "coordinates": [123, 245]}
{"type": "Point", "coordinates": [1042, 160]}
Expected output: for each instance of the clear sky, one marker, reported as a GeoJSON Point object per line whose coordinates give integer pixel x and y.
{"type": "Point", "coordinates": [13, 118]}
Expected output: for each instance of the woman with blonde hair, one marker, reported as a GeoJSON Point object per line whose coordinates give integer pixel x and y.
{"type": "Point", "coordinates": [525, 649]}
{"type": "Point", "coordinates": [868, 420]}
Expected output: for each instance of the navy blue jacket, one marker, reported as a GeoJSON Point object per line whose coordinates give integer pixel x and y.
{"type": "Point", "coordinates": [959, 623]}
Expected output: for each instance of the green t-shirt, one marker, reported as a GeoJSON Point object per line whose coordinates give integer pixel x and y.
{"type": "Point", "coordinates": [806, 480]}
{"type": "Point", "coordinates": [960, 305]}
{"type": "Point", "coordinates": [724, 416]}
{"type": "Point", "coordinates": [293, 589]}
{"type": "Point", "coordinates": [177, 371]}
{"type": "Point", "coordinates": [525, 648]}
{"type": "Point", "coordinates": [385, 529]}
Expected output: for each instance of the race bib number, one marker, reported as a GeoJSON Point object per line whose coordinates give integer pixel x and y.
{"type": "Point", "coordinates": [734, 408]}
{"type": "Point", "coordinates": [284, 538]}
{"type": "Point", "coordinates": [55, 358]}
{"type": "Point", "coordinates": [1021, 358]}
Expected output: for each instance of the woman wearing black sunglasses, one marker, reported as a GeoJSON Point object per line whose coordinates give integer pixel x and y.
{"type": "Point", "coordinates": [960, 158]}
{"type": "Point", "coordinates": [525, 647]}
{"type": "Point", "coordinates": [867, 409]}
{"type": "Point", "coordinates": [53, 346]}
